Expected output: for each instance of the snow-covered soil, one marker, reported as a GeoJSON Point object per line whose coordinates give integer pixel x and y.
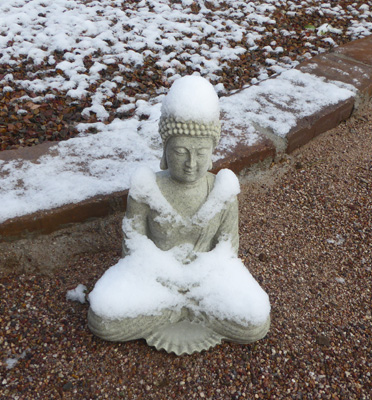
{"type": "Point", "coordinates": [104, 66]}
{"type": "Point", "coordinates": [107, 55]}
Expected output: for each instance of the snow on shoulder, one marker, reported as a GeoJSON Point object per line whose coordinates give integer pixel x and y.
{"type": "Point", "coordinates": [192, 98]}
{"type": "Point", "coordinates": [144, 189]}
{"type": "Point", "coordinates": [226, 188]}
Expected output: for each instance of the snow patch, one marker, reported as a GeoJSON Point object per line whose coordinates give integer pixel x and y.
{"type": "Point", "coordinates": [339, 241]}
{"type": "Point", "coordinates": [149, 280]}
{"type": "Point", "coordinates": [77, 294]}
{"type": "Point", "coordinates": [277, 104]}
{"type": "Point", "coordinates": [11, 362]}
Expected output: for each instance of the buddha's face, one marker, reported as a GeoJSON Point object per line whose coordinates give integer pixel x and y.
{"type": "Point", "coordinates": [188, 158]}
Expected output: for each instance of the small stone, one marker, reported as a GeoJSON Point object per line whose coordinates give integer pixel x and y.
{"type": "Point", "coordinates": [323, 340]}
{"type": "Point", "coordinates": [299, 165]}
{"type": "Point", "coordinates": [262, 257]}
{"type": "Point", "coordinates": [67, 386]}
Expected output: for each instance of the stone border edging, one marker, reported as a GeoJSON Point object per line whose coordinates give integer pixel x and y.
{"type": "Point", "coordinates": [49, 221]}
{"type": "Point", "coordinates": [350, 64]}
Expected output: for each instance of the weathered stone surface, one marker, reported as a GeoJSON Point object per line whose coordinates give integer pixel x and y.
{"type": "Point", "coordinates": [335, 68]}
{"type": "Point", "coordinates": [324, 120]}
{"type": "Point", "coordinates": [358, 50]}
{"type": "Point", "coordinates": [48, 221]}
{"type": "Point", "coordinates": [27, 153]}
{"type": "Point", "coordinates": [350, 64]}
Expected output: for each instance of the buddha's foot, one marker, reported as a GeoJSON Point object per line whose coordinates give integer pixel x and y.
{"type": "Point", "coordinates": [183, 337]}
{"type": "Point", "coordinates": [234, 332]}
{"type": "Point", "coordinates": [180, 332]}
{"type": "Point", "coordinates": [122, 330]}
{"type": "Point", "coordinates": [196, 332]}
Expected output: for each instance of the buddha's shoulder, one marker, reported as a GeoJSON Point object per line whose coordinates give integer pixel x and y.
{"type": "Point", "coordinates": [211, 178]}
{"type": "Point", "coordinates": [143, 182]}
{"type": "Point", "coordinates": [161, 175]}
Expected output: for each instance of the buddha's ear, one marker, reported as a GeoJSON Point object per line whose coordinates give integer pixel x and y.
{"type": "Point", "coordinates": [163, 162]}
{"type": "Point", "coordinates": [210, 165]}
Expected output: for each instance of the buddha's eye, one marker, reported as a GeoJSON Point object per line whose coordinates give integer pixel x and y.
{"type": "Point", "coordinates": [202, 152]}
{"type": "Point", "coordinates": [180, 151]}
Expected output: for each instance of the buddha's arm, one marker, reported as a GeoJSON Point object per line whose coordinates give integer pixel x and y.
{"type": "Point", "coordinates": [230, 225]}
{"type": "Point", "coordinates": [135, 219]}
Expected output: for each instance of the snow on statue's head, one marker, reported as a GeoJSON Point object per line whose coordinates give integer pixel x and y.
{"type": "Point", "coordinates": [190, 109]}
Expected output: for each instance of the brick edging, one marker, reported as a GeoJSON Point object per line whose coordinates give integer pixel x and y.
{"type": "Point", "coordinates": [48, 221]}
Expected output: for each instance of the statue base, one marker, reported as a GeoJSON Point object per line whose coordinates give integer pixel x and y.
{"type": "Point", "coordinates": [183, 337]}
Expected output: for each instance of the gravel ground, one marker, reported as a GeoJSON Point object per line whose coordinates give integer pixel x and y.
{"type": "Point", "coordinates": [306, 235]}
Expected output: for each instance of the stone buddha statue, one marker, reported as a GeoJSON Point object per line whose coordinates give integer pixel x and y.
{"type": "Point", "coordinates": [180, 285]}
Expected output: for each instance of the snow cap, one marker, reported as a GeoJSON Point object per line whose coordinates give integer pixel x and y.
{"type": "Point", "coordinates": [191, 107]}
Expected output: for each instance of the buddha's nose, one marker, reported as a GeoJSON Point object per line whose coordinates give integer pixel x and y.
{"type": "Point", "coordinates": [191, 162]}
